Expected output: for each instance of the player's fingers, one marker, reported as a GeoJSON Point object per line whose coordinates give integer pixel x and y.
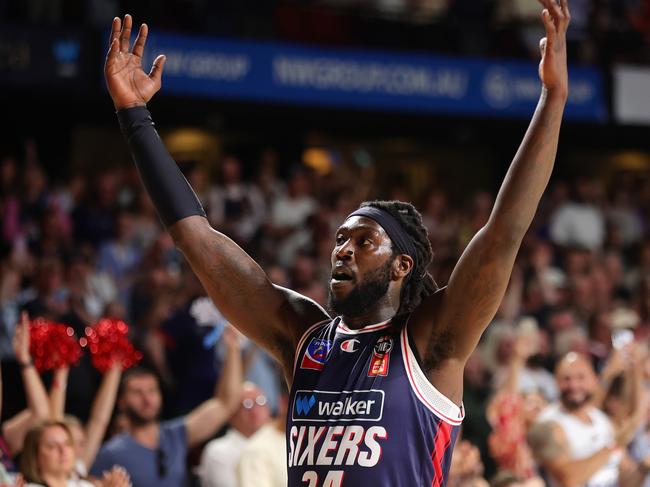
{"type": "Point", "coordinates": [125, 36]}
{"type": "Point", "coordinates": [138, 46]}
{"type": "Point", "coordinates": [542, 46]}
{"type": "Point", "coordinates": [116, 27]}
{"type": "Point", "coordinates": [547, 4]}
{"type": "Point", "coordinates": [113, 49]}
{"type": "Point", "coordinates": [549, 26]}
{"type": "Point", "coordinates": [157, 68]}
{"type": "Point", "coordinates": [555, 9]}
{"type": "Point", "coordinates": [565, 8]}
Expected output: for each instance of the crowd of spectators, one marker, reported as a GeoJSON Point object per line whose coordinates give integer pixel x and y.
{"type": "Point", "coordinates": [602, 31]}
{"type": "Point", "coordinates": [89, 246]}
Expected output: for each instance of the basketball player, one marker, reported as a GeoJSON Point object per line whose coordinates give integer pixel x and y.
{"type": "Point", "coordinates": [376, 391]}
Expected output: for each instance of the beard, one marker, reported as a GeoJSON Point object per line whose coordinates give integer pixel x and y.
{"type": "Point", "coordinates": [572, 404]}
{"type": "Point", "coordinates": [136, 419]}
{"type": "Point", "coordinates": [365, 295]}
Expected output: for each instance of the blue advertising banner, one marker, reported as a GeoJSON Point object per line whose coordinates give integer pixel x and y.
{"type": "Point", "coordinates": [364, 79]}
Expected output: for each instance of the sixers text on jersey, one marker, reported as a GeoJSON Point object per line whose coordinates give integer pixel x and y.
{"type": "Point", "coordinates": [361, 410]}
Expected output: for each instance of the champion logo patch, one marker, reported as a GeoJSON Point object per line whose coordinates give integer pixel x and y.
{"type": "Point", "coordinates": [316, 354]}
{"type": "Point", "coordinates": [351, 345]}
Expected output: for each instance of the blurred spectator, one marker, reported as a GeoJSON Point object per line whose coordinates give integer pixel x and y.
{"type": "Point", "coordinates": [120, 257]}
{"type": "Point", "coordinates": [466, 466]}
{"type": "Point", "coordinates": [13, 431]}
{"type": "Point", "coordinates": [624, 217]}
{"type": "Point", "coordinates": [94, 215]}
{"type": "Point", "coordinates": [305, 280]}
{"type": "Point", "coordinates": [573, 441]}
{"type": "Point", "coordinates": [51, 300]}
{"type": "Point", "coordinates": [475, 399]}
{"type": "Point", "coordinates": [511, 413]}
{"type": "Point", "coordinates": [289, 212]}
{"type": "Point", "coordinates": [87, 438]}
{"type": "Point", "coordinates": [154, 452]}
{"type": "Point", "coordinates": [507, 479]}
{"type": "Point", "coordinates": [263, 461]}
{"type": "Point", "coordinates": [579, 221]}
{"type": "Point", "coordinates": [49, 459]}
{"type": "Point", "coordinates": [221, 456]}
{"type": "Point", "coordinates": [234, 207]}
{"type": "Point", "coordinates": [190, 335]}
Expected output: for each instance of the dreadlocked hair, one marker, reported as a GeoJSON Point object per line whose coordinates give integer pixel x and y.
{"type": "Point", "coordinates": [419, 283]}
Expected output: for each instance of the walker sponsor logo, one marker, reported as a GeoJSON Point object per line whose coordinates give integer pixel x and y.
{"type": "Point", "coordinates": [326, 406]}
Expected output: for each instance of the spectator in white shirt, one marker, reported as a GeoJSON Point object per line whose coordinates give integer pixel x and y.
{"type": "Point", "coordinates": [263, 461]}
{"type": "Point", "coordinates": [221, 456]}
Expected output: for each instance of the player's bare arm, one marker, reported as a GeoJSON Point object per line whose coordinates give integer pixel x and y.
{"type": "Point", "coordinates": [273, 317]}
{"type": "Point", "coordinates": [456, 317]}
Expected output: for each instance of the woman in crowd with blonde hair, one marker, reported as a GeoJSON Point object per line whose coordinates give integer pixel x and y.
{"type": "Point", "coordinates": [48, 460]}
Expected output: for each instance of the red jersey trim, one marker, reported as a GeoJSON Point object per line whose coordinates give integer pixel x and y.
{"type": "Point", "coordinates": [425, 391]}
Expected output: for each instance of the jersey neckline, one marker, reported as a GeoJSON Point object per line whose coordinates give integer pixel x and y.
{"type": "Point", "coordinates": [342, 328]}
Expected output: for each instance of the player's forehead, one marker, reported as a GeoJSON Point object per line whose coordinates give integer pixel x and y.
{"type": "Point", "coordinates": [361, 223]}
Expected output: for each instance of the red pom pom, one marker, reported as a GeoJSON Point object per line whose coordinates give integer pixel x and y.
{"type": "Point", "coordinates": [52, 345]}
{"type": "Point", "coordinates": [108, 343]}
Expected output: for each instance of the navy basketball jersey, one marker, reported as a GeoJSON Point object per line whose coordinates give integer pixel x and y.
{"type": "Point", "coordinates": [362, 412]}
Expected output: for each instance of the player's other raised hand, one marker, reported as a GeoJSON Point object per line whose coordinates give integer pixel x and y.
{"type": "Point", "coordinates": [127, 82]}
{"type": "Point", "coordinates": [553, 66]}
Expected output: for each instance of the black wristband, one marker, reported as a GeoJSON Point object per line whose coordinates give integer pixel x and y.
{"type": "Point", "coordinates": [170, 192]}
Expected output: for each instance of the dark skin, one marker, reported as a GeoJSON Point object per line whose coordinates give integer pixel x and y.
{"type": "Point", "coordinates": [276, 318]}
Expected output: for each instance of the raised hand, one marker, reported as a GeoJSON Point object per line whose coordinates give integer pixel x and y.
{"type": "Point", "coordinates": [127, 82]}
{"type": "Point", "coordinates": [232, 338]}
{"type": "Point", "coordinates": [553, 66]}
{"type": "Point", "coordinates": [116, 477]}
{"type": "Point", "coordinates": [21, 340]}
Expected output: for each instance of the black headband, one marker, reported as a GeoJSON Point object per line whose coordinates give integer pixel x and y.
{"type": "Point", "coordinates": [400, 238]}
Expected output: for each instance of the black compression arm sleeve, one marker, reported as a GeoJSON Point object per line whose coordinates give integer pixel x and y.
{"type": "Point", "coordinates": [170, 192]}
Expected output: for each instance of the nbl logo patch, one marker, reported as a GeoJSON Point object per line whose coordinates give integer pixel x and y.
{"type": "Point", "coordinates": [381, 357]}
{"type": "Point", "coordinates": [316, 354]}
